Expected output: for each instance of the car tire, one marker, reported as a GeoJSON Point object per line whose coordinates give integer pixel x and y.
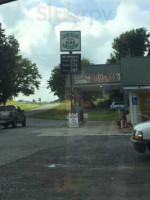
{"type": "Point", "coordinates": [140, 148]}
{"type": "Point", "coordinates": [24, 123]}
{"type": "Point", "coordinates": [14, 124]}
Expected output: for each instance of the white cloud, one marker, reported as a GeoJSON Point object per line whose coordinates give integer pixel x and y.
{"type": "Point", "coordinates": [38, 31]}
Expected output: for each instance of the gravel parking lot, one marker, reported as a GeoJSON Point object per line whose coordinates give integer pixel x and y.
{"type": "Point", "coordinates": [37, 164]}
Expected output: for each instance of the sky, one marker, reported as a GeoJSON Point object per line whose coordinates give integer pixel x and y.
{"type": "Point", "coordinates": [36, 24]}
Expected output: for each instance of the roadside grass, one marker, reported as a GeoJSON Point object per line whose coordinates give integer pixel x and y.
{"type": "Point", "coordinates": [23, 106]}
{"type": "Point", "coordinates": [103, 115]}
{"type": "Point", "coordinates": [60, 113]}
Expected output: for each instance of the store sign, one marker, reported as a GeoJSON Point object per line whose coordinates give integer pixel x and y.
{"type": "Point", "coordinates": [97, 78]}
{"type": "Point", "coordinates": [70, 63]}
{"type": "Point", "coordinates": [73, 120]}
{"type": "Point", "coordinates": [70, 41]}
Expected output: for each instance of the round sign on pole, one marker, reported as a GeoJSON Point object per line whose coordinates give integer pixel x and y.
{"type": "Point", "coordinates": [70, 41]}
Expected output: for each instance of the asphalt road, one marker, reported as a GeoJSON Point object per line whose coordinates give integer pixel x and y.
{"type": "Point", "coordinates": [41, 109]}
{"type": "Point", "coordinates": [95, 167]}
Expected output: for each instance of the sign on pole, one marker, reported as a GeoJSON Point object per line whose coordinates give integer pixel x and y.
{"type": "Point", "coordinates": [70, 41]}
{"type": "Point", "coordinates": [70, 63]}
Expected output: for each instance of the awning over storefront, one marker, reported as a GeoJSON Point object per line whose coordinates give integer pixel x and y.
{"type": "Point", "coordinates": [137, 88]}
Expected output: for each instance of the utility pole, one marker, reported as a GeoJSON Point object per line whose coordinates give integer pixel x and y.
{"type": "Point", "coordinates": [71, 85]}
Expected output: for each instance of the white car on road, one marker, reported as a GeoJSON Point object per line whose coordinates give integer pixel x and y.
{"type": "Point", "coordinates": [141, 137]}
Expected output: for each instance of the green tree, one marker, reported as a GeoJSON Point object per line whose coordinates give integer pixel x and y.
{"type": "Point", "coordinates": [86, 62]}
{"type": "Point", "coordinates": [129, 44]}
{"type": "Point", "coordinates": [17, 74]}
{"type": "Point", "coordinates": [56, 81]}
{"type": "Point", "coordinates": [27, 77]}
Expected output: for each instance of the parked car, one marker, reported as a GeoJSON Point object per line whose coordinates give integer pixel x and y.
{"type": "Point", "coordinates": [12, 115]}
{"type": "Point", "coordinates": [117, 106]}
{"type": "Point", "coordinates": [141, 137]}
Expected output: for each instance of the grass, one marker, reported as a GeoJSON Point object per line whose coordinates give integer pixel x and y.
{"type": "Point", "coordinates": [58, 113]}
{"type": "Point", "coordinates": [61, 112]}
{"type": "Point", "coordinates": [24, 106]}
{"type": "Point", "coordinates": [103, 115]}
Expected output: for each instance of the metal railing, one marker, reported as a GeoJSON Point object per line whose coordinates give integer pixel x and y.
{"type": "Point", "coordinates": [144, 115]}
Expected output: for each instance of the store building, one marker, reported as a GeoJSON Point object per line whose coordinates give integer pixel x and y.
{"type": "Point", "coordinates": [131, 76]}
{"type": "Point", "coordinates": [136, 85]}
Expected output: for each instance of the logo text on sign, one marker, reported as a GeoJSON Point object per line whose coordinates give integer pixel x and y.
{"type": "Point", "coordinates": [70, 41]}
